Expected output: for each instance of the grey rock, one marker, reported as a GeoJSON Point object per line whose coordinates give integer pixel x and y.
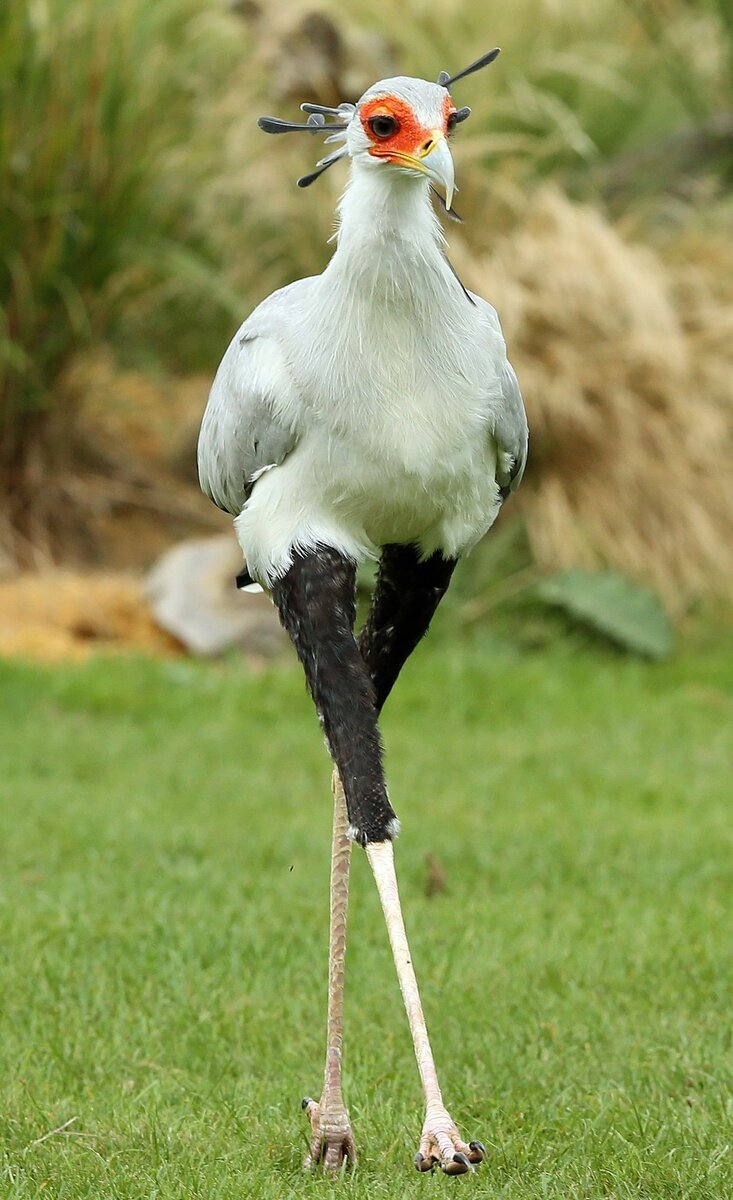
{"type": "Point", "coordinates": [192, 594]}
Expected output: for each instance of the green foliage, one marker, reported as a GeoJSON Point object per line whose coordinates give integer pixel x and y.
{"type": "Point", "coordinates": [627, 614]}
{"type": "Point", "coordinates": [93, 97]}
{"type": "Point", "coordinates": [163, 921]}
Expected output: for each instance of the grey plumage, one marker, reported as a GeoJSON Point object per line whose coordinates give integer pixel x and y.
{"type": "Point", "coordinates": [511, 433]}
{"type": "Point", "coordinates": [243, 432]}
{"type": "Point", "coordinates": [508, 422]}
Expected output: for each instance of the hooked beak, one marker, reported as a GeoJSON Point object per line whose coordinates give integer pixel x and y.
{"type": "Point", "coordinates": [433, 159]}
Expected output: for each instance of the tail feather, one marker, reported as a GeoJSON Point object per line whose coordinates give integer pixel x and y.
{"type": "Point", "coordinates": [245, 582]}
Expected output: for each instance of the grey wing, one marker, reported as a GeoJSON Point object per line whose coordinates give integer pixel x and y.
{"type": "Point", "coordinates": [248, 423]}
{"type": "Point", "coordinates": [511, 432]}
{"type": "Point", "coordinates": [508, 421]}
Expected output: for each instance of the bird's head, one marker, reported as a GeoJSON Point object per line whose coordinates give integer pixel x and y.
{"type": "Point", "coordinates": [404, 124]}
{"type": "Point", "coordinates": [400, 124]}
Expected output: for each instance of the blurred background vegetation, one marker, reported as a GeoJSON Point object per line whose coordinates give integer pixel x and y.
{"type": "Point", "coordinates": [566, 809]}
{"type": "Point", "coordinates": [144, 215]}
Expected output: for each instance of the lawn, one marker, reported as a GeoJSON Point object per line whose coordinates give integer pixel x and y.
{"type": "Point", "coordinates": [165, 837]}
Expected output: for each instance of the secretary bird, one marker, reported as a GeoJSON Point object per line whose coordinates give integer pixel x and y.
{"type": "Point", "coordinates": [368, 412]}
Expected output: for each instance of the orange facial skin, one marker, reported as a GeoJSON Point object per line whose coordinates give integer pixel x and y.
{"type": "Point", "coordinates": [410, 136]}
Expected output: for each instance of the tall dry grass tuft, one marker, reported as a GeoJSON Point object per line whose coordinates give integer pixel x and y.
{"type": "Point", "coordinates": [626, 364]}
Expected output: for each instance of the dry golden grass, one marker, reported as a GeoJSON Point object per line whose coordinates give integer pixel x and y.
{"type": "Point", "coordinates": [626, 363]}
{"type": "Point", "coordinates": [153, 418]}
{"type": "Point", "coordinates": [62, 615]}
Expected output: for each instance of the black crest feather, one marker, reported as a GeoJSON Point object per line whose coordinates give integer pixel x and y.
{"type": "Point", "coordinates": [445, 80]}
{"type": "Point", "coordinates": [317, 113]}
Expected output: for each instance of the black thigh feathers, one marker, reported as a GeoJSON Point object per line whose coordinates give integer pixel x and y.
{"type": "Point", "coordinates": [316, 601]}
{"type": "Point", "coordinates": [349, 682]}
{"type": "Point", "coordinates": [406, 596]}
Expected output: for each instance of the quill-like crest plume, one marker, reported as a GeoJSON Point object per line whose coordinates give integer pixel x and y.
{"type": "Point", "coordinates": [343, 113]}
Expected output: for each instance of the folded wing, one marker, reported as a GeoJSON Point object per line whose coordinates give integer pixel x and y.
{"type": "Point", "coordinates": [508, 419]}
{"type": "Point", "coordinates": [250, 423]}
{"type": "Point", "coordinates": [511, 433]}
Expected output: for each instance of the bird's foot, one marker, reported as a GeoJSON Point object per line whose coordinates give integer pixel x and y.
{"type": "Point", "coordinates": [332, 1141]}
{"type": "Point", "coordinates": [442, 1144]}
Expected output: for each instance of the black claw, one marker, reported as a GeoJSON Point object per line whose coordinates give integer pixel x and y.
{"type": "Point", "coordinates": [422, 1163]}
{"type": "Point", "coordinates": [305, 1102]}
{"type": "Point", "coordinates": [478, 1152]}
{"type": "Point", "coordinates": [459, 1166]}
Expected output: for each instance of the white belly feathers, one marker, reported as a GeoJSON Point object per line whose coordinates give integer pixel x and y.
{"type": "Point", "coordinates": [397, 451]}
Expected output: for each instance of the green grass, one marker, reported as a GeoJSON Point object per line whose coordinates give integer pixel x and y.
{"type": "Point", "coordinates": [163, 930]}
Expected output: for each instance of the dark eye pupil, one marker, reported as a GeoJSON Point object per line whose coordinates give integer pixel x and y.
{"type": "Point", "coordinates": [383, 127]}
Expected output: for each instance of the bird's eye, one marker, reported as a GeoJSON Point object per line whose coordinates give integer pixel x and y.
{"type": "Point", "coordinates": [383, 126]}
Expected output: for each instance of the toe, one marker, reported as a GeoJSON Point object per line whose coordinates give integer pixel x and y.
{"type": "Point", "coordinates": [423, 1162]}
{"type": "Point", "coordinates": [442, 1144]}
{"type": "Point", "coordinates": [311, 1110]}
{"type": "Point", "coordinates": [333, 1159]}
{"type": "Point", "coordinates": [350, 1149]}
{"type": "Point", "coordinates": [331, 1141]}
{"type": "Point", "coordinates": [457, 1165]}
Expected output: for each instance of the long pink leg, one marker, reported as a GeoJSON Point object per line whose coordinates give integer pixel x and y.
{"type": "Point", "coordinates": [332, 1141]}
{"type": "Point", "coordinates": [440, 1141]}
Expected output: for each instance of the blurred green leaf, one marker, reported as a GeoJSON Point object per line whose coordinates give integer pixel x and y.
{"type": "Point", "coordinates": [627, 614]}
